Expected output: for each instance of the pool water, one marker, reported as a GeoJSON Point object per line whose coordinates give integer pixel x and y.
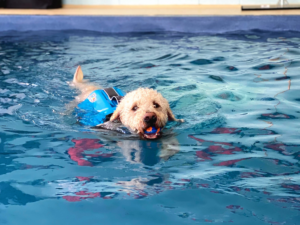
{"type": "Point", "coordinates": [234, 161]}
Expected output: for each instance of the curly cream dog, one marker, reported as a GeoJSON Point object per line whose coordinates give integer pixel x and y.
{"type": "Point", "coordinates": [138, 110]}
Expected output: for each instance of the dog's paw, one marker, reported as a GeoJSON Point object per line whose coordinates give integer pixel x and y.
{"type": "Point", "coordinates": [180, 120]}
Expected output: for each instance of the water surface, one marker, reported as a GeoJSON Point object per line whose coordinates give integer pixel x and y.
{"type": "Point", "coordinates": [235, 159]}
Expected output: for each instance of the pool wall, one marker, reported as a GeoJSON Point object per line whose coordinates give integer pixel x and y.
{"type": "Point", "coordinates": [120, 24]}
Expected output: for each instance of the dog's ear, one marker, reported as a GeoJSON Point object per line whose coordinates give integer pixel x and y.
{"type": "Point", "coordinates": [116, 114]}
{"type": "Point", "coordinates": [171, 116]}
{"type": "Point", "coordinates": [78, 76]}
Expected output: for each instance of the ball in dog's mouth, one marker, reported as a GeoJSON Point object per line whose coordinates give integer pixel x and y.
{"type": "Point", "coordinates": [152, 133]}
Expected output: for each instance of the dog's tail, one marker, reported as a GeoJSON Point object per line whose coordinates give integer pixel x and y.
{"type": "Point", "coordinates": [82, 85]}
{"type": "Point", "coordinates": [78, 76]}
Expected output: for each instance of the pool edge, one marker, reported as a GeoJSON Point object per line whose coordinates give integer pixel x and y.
{"type": "Point", "coordinates": [121, 24]}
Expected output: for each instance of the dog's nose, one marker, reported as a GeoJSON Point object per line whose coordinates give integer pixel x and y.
{"type": "Point", "coordinates": [150, 118]}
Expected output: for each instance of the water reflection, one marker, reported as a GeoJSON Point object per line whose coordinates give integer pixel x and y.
{"type": "Point", "coordinates": [85, 152]}
{"type": "Point", "coordinates": [149, 153]}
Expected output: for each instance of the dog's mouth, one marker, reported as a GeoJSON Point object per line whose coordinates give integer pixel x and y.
{"type": "Point", "coordinates": [152, 133]}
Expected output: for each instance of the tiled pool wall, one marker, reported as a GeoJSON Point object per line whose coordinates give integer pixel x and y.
{"type": "Point", "coordinates": [119, 24]}
{"type": "Point", "coordinates": [172, 2]}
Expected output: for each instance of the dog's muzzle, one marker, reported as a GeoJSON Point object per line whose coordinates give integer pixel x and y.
{"type": "Point", "coordinates": [152, 131]}
{"type": "Point", "coordinates": [150, 119]}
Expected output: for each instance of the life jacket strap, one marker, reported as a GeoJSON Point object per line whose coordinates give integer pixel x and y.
{"type": "Point", "coordinates": [112, 94]}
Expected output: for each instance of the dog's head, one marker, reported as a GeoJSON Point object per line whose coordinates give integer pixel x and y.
{"type": "Point", "coordinates": [141, 109]}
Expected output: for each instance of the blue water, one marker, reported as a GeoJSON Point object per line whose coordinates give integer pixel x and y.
{"type": "Point", "coordinates": [234, 161]}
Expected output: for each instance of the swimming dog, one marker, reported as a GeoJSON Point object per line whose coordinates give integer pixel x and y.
{"type": "Point", "coordinates": [141, 111]}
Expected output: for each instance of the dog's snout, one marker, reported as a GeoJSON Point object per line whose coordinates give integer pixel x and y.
{"type": "Point", "coordinates": [150, 118]}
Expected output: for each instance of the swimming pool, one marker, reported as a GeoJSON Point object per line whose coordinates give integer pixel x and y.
{"type": "Point", "coordinates": [235, 159]}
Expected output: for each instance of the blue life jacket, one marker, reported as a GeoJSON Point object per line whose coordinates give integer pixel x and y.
{"type": "Point", "coordinates": [98, 107]}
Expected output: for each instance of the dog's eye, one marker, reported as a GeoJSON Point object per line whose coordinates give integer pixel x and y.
{"type": "Point", "coordinates": [135, 108]}
{"type": "Point", "coordinates": [155, 105]}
